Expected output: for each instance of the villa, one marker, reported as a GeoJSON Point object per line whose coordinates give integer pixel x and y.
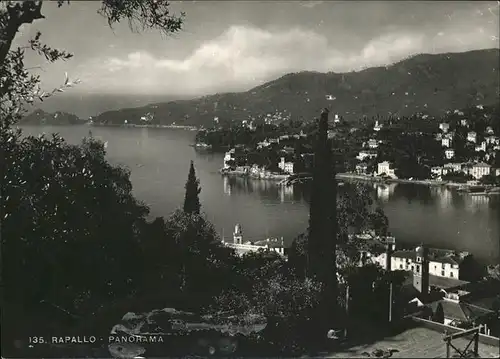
{"type": "Point", "coordinates": [449, 153]}
{"type": "Point", "coordinates": [385, 168]}
{"type": "Point", "coordinates": [478, 170]}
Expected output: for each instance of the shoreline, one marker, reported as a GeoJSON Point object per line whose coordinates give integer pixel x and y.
{"type": "Point", "coordinates": [175, 127]}
{"type": "Point", "coordinates": [364, 178]}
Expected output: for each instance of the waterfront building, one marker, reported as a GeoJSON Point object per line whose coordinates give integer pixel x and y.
{"type": "Point", "coordinates": [452, 167]}
{"type": "Point", "coordinates": [285, 166]}
{"type": "Point", "coordinates": [361, 168]}
{"type": "Point", "coordinates": [479, 170]}
{"type": "Point", "coordinates": [386, 168]}
{"type": "Point", "coordinates": [229, 157]}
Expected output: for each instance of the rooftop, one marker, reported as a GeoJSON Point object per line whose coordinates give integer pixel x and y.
{"type": "Point", "coordinates": [459, 310]}
{"type": "Point", "coordinates": [417, 342]}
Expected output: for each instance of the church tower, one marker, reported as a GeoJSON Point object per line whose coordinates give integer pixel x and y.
{"type": "Point", "coordinates": [421, 270]}
{"type": "Point", "coordinates": [238, 235]}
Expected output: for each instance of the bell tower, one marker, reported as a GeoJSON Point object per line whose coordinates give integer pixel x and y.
{"type": "Point", "coordinates": [237, 235]}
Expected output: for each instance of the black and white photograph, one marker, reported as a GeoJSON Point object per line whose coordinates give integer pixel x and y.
{"type": "Point", "coordinates": [249, 179]}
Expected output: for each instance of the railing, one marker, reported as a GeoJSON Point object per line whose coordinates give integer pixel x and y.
{"type": "Point", "coordinates": [483, 338]}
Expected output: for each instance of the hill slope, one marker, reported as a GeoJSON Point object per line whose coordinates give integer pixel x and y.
{"type": "Point", "coordinates": [423, 83]}
{"type": "Point", "coordinates": [40, 117]}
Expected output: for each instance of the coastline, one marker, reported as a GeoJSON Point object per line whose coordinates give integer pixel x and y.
{"type": "Point", "coordinates": [176, 127]}
{"type": "Point", "coordinates": [357, 177]}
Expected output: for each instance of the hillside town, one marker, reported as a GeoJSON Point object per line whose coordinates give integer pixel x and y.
{"type": "Point", "coordinates": [462, 149]}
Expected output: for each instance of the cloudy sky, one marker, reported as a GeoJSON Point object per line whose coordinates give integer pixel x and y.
{"type": "Point", "coordinates": [234, 45]}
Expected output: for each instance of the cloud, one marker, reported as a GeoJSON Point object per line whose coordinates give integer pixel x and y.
{"type": "Point", "coordinates": [243, 57]}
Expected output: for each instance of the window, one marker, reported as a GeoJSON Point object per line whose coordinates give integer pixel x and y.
{"type": "Point", "coordinates": [418, 269]}
{"type": "Point", "coordinates": [400, 266]}
{"type": "Point", "coordinates": [451, 274]}
{"type": "Point", "coordinates": [418, 259]}
{"type": "Point", "coordinates": [412, 268]}
{"type": "Point", "coordinates": [442, 273]}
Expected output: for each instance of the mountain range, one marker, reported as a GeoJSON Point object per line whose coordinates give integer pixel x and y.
{"type": "Point", "coordinates": [429, 84]}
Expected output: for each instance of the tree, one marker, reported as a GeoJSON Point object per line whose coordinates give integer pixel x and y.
{"type": "Point", "coordinates": [18, 87]}
{"type": "Point", "coordinates": [439, 314]}
{"type": "Point", "coordinates": [204, 264]}
{"type": "Point", "coordinates": [286, 302]}
{"type": "Point", "coordinates": [191, 199]}
{"type": "Point", "coordinates": [356, 213]}
{"type": "Point", "coordinates": [71, 229]}
{"type": "Point", "coordinates": [321, 247]}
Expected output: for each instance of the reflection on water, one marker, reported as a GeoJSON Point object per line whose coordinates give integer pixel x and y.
{"type": "Point", "coordinates": [414, 193]}
{"type": "Point", "coordinates": [384, 191]}
{"type": "Point", "coordinates": [263, 188]}
{"type": "Point", "coordinates": [476, 203]}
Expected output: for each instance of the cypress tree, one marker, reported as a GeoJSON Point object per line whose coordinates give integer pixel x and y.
{"type": "Point", "coordinates": [321, 256]}
{"type": "Point", "coordinates": [191, 200]}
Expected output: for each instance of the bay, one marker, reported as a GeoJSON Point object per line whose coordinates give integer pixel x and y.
{"type": "Point", "coordinates": [159, 163]}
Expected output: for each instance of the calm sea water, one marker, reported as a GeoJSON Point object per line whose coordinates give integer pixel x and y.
{"type": "Point", "coordinates": [159, 163]}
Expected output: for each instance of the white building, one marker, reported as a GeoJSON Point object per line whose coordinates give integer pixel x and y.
{"type": "Point", "coordinates": [497, 172]}
{"type": "Point", "coordinates": [271, 245]}
{"type": "Point", "coordinates": [378, 126]}
{"type": "Point", "coordinates": [444, 127]}
{"type": "Point", "coordinates": [228, 157]}
{"type": "Point", "coordinates": [263, 144]}
{"type": "Point", "coordinates": [372, 143]}
{"type": "Point", "coordinates": [442, 263]}
{"type": "Point", "coordinates": [464, 122]}
{"type": "Point", "coordinates": [479, 170]}
{"type": "Point", "coordinates": [361, 168]}
{"type": "Point", "coordinates": [446, 142]}
{"type": "Point", "coordinates": [481, 147]}
{"type": "Point", "coordinates": [492, 140]}
{"type": "Point", "coordinates": [489, 130]}
{"type": "Point", "coordinates": [472, 136]}
{"type": "Point", "coordinates": [437, 171]}
{"type": "Point", "coordinates": [286, 167]}
{"type": "Point", "coordinates": [452, 167]}
{"type": "Point", "coordinates": [385, 168]}
{"type": "Point", "coordinates": [366, 154]}
{"type": "Point", "coordinates": [449, 153]}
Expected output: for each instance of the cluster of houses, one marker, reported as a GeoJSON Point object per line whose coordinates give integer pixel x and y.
{"type": "Point", "coordinates": [488, 148]}
{"type": "Point", "coordinates": [441, 278]}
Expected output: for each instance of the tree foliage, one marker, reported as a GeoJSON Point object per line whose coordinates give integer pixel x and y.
{"type": "Point", "coordinates": [191, 199]}
{"type": "Point", "coordinates": [286, 303]}
{"type": "Point", "coordinates": [71, 228]}
{"type": "Point", "coordinates": [19, 87]}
